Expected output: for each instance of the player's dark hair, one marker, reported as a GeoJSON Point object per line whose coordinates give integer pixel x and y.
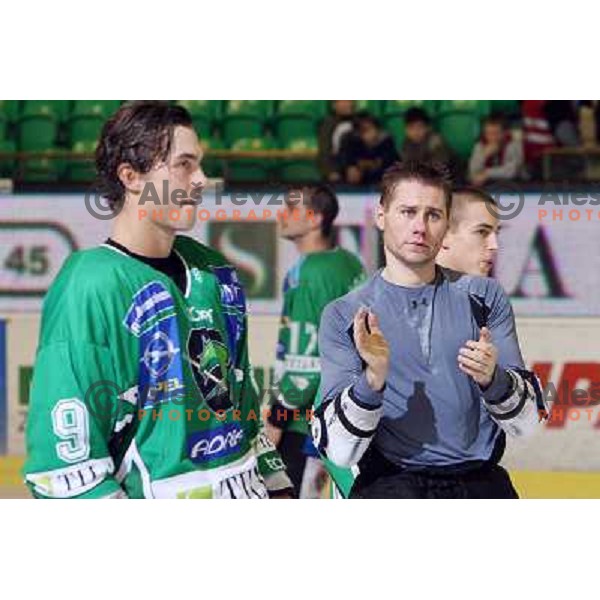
{"type": "Point", "coordinates": [139, 133]}
{"type": "Point", "coordinates": [435, 174]}
{"type": "Point", "coordinates": [364, 116]}
{"type": "Point", "coordinates": [475, 193]}
{"type": "Point", "coordinates": [322, 200]}
{"type": "Point", "coordinates": [416, 115]}
{"type": "Point", "coordinates": [495, 118]}
{"type": "Point", "coordinates": [470, 194]}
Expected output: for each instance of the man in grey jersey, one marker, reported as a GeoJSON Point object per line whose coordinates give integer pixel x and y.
{"type": "Point", "coordinates": [421, 368]}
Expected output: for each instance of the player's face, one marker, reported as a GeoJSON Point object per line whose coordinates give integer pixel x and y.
{"type": "Point", "coordinates": [343, 108]}
{"type": "Point", "coordinates": [493, 134]}
{"type": "Point", "coordinates": [298, 220]}
{"type": "Point", "coordinates": [368, 133]}
{"type": "Point", "coordinates": [472, 246]}
{"type": "Point", "coordinates": [416, 132]}
{"type": "Point", "coordinates": [177, 182]}
{"type": "Point", "coordinates": [414, 223]}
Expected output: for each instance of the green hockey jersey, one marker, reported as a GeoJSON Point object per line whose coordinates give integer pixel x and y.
{"type": "Point", "coordinates": [142, 390]}
{"type": "Point", "coordinates": [310, 285]}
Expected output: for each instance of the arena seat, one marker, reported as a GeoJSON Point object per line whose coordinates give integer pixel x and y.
{"type": "Point", "coordinates": [102, 108]}
{"type": "Point", "coordinates": [292, 128]}
{"type": "Point", "coordinates": [316, 109]}
{"type": "Point", "coordinates": [7, 165]}
{"type": "Point", "coordinates": [259, 109]}
{"type": "Point", "coordinates": [478, 107]}
{"type": "Point", "coordinates": [510, 108]}
{"type": "Point", "coordinates": [242, 128]}
{"type": "Point", "coordinates": [43, 170]}
{"type": "Point", "coordinates": [37, 129]}
{"type": "Point", "coordinates": [10, 109]}
{"type": "Point", "coordinates": [212, 167]}
{"type": "Point", "coordinates": [80, 170]}
{"type": "Point", "coordinates": [85, 127]}
{"type": "Point", "coordinates": [300, 170]}
{"type": "Point", "coordinates": [40, 108]}
{"type": "Point", "coordinates": [395, 126]}
{"type": "Point", "coordinates": [460, 130]}
{"type": "Point", "coordinates": [245, 119]}
{"type": "Point", "coordinates": [206, 114]}
{"type": "Point", "coordinates": [4, 126]}
{"type": "Point", "coordinates": [373, 107]}
{"type": "Point", "coordinates": [250, 170]}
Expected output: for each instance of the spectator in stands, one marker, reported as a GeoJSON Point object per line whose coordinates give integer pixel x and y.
{"type": "Point", "coordinates": [332, 131]}
{"type": "Point", "coordinates": [537, 135]}
{"type": "Point", "coordinates": [497, 156]}
{"type": "Point", "coordinates": [366, 154]}
{"type": "Point", "coordinates": [422, 143]}
{"type": "Point", "coordinates": [589, 122]}
{"type": "Point", "coordinates": [562, 118]}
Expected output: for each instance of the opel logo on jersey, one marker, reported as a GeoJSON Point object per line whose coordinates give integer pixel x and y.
{"type": "Point", "coordinates": [159, 354]}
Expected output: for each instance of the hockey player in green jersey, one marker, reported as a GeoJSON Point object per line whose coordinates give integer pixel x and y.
{"type": "Point", "coordinates": [323, 273]}
{"type": "Point", "coordinates": [142, 386]}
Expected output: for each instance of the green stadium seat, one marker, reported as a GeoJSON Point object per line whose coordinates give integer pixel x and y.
{"type": "Point", "coordinates": [479, 107]}
{"type": "Point", "coordinates": [85, 128]}
{"type": "Point", "coordinates": [395, 126]}
{"type": "Point", "coordinates": [211, 108]}
{"type": "Point", "coordinates": [258, 109]}
{"type": "Point", "coordinates": [460, 130]}
{"type": "Point", "coordinates": [290, 128]}
{"type": "Point", "coordinates": [249, 170]}
{"type": "Point", "coordinates": [206, 114]}
{"type": "Point", "coordinates": [4, 126]}
{"type": "Point", "coordinates": [203, 126]}
{"type": "Point", "coordinates": [302, 144]}
{"type": "Point", "coordinates": [249, 144]}
{"type": "Point", "coordinates": [510, 108]}
{"type": "Point", "coordinates": [7, 166]}
{"type": "Point", "coordinates": [373, 107]}
{"type": "Point", "coordinates": [43, 170]}
{"type": "Point", "coordinates": [245, 119]}
{"type": "Point", "coordinates": [40, 108]}
{"type": "Point", "coordinates": [301, 170]}
{"type": "Point", "coordinates": [459, 122]}
{"type": "Point", "coordinates": [212, 167]}
{"type": "Point", "coordinates": [241, 128]}
{"type": "Point", "coordinates": [37, 132]}
{"type": "Point", "coordinates": [58, 109]}
{"type": "Point", "coordinates": [62, 108]}
{"type": "Point", "coordinates": [94, 108]}
{"type": "Point", "coordinates": [81, 170]}
{"type": "Point", "coordinates": [399, 107]}
{"type": "Point", "coordinates": [316, 109]}
{"type": "Point", "coordinates": [10, 109]}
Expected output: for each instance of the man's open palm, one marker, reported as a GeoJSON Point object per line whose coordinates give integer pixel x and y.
{"type": "Point", "coordinates": [372, 347]}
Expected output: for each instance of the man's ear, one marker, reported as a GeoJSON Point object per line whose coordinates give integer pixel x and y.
{"type": "Point", "coordinates": [130, 178]}
{"type": "Point", "coordinates": [379, 217]}
{"type": "Point", "coordinates": [316, 219]}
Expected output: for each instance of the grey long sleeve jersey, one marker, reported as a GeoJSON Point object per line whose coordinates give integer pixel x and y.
{"type": "Point", "coordinates": [430, 413]}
